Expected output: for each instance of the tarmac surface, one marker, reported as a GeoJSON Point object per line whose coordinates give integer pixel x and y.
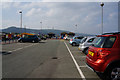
{"type": "Point", "coordinates": [47, 59]}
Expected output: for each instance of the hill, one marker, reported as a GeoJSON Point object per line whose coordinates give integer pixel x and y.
{"type": "Point", "coordinates": [14, 29]}
{"type": "Point", "coordinates": [43, 31]}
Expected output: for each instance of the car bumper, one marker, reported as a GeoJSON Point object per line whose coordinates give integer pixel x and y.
{"type": "Point", "coordinates": [70, 42]}
{"type": "Point", "coordinates": [95, 65]}
{"type": "Point", "coordinates": [81, 48]}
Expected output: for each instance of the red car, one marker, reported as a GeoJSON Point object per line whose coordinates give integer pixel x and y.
{"type": "Point", "coordinates": [104, 56]}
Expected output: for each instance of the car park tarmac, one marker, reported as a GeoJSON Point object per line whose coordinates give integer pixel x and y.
{"type": "Point", "coordinates": [47, 59]}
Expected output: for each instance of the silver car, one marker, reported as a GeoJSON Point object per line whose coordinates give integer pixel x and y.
{"type": "Point", "coordinates": [76, 40]}
{"type": "Point", "coordinates": [85, 43]}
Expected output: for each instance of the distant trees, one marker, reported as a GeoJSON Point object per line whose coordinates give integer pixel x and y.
{"type": "Point", "coordinates": [69, 34]}
{"type": "Point", "coordinates": [64, 33]}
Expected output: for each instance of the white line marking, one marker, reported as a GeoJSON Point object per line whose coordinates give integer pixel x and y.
{"type": "Point", "coordinates": [90, 68]}
{"type": "Point", "coordinates": [9, 51]}
{"type": "Point", "coordinates": [83, 66]}
{"type": "Point", "coordinates": [77, 66]}
{"type": "Point", "coordinates": [22, 48]}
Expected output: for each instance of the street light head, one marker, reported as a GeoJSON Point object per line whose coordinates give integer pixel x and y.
{"type": "Point", "coordinates": [102, 4]}
{"type": "Point", "coordinates": [20, 11]}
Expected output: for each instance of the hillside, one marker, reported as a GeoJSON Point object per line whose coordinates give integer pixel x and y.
{"type": "Point", "coordinates": [43, 31]}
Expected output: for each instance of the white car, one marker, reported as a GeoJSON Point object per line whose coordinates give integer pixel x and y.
{"type": "Point", "coordinates": [85, 43]}
{"type": "Point", "coordinates": [69, 37]}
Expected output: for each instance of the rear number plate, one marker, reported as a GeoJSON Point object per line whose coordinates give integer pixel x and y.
{"type": "Point", "coordinates": [91, 53]}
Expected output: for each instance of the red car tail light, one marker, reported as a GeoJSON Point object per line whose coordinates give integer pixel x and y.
{"type": "Point", "coordinates": [103, 53]}
{"type": "Point", "coordinates": [71, 39]}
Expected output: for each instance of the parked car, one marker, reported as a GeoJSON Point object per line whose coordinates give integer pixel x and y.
{"type": "Point", "coordinates": [69, 37]}
{"type": "Point", "coordinates": [85, 43]}
{"type": "Point", "coordinates": [76, 40]}
{"type": "Point", "coordinates": [29, 38]}
{"type": "Point", "coordinates": [43, 38]}
{"type": "Point", "coordinates": [104, 56]}
{"type": "Point", "coordinates": [65, 37]}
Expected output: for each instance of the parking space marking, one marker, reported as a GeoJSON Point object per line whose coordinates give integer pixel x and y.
{"type": "Point", "coordinates": [76, 64]}
{"type": "Point", "coordinates": [22, 48]}
{"type": "Point", "coordinates": [90, 68]}
{"type": "Point", "coordinates": [83, 66]}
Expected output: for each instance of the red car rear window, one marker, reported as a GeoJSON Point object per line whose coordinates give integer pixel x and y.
{"type": "Point", "coordinates": [104, 42]}
{"type": "Point", "coordinates": [109, 42]}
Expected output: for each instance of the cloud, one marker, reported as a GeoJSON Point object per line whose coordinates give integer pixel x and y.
{"type": "Point", "coordinates": [33, 11]}
{"type": "Point", "coordinates": [29, 5]}
{"type": "Point", "coordinates": [92, 16]}
{"type": "Point", "coordinates": [30, 12]}
{"type": "Point", "coordinates": [59, 0]}
{"type": "Point", "coordinates": [111, 15]}
{"type": "Point", "coordinates": [50, 12]}
{"type": "Point", "coordinates": [6, 4]}
{"type": "Point", "coordinates": [80, 0]}
{"type": "Point", "coordinates": [10, 4]}
{"type": "Point", "coordinates": [9, 23]}
{"type": "Point", "coordinates": [16, 4]}
{"type": "Point", "coordinates": [75, 17]}
{"type": "Point", "coordinates": [7, 0]}
{"type": "Point", "coordinates": [64, 15]}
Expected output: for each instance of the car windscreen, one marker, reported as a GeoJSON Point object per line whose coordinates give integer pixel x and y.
{"type": "Point", "coordinates": [83, 40]}
{"type": "Point", "coordinates": [80, 37]}
{"type": "Point", "coordinates": [104, 42]}
{"type": "Point", "coordinates": [70, 37]}
{"type": "Point", "coordinates": [90, 40]}
{"type": "Point", "coordinates": [77, 37]}
{"type": "Point", "coordinates": [32, 36]}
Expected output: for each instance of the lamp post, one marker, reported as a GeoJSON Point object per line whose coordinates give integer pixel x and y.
{"type": "Point", "coordinates": [20, 21]}
{"type": "Point", "coordinates": [41, 26]}
{"type": "Point", "coordinates": [102, 4]}
{"type": "Point", "coordinates": [76, 28]}
{"type": "Point", "coordinates": [25, 28]}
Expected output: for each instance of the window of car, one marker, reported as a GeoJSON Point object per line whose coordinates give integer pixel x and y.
{"type": "Point", "coordinates": [80, 37]}
{"type": "Point", "coordinates": [98, 42]}
{"type": "Point", "coordinates": [32, 36]}
{"type": "Point", "coordinates": [90, 40]}
{"type": "Point", "coordinates": [109, 42]}
{"type": "Point", "coordinates": [75, 38]}
{"type": "Point", "coordinates": [26, 36]}
{"type": "Point", "coordinates": [83, 40]}
{"type": "Point", "coordinates": [104, 42]}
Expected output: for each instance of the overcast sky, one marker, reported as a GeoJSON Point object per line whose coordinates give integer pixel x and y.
{"type": "Point", "coordinates": [62, 15]}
